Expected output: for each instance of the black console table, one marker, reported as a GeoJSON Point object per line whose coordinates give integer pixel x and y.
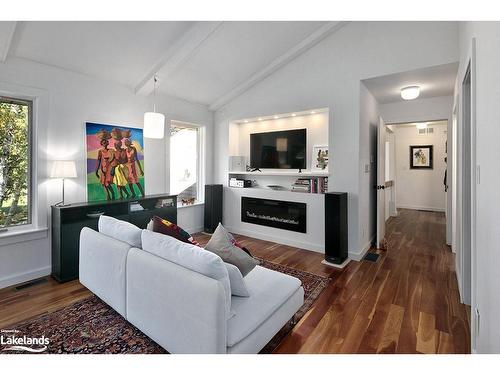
{"type": "Point", "coordinates": [68, 221]}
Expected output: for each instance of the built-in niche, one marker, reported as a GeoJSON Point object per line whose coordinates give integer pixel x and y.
{"type": "Point", "coordinates": [315, 122]}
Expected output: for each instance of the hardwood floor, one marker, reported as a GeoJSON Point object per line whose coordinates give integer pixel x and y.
{"type": "Point", "coordinates": [406, 302]}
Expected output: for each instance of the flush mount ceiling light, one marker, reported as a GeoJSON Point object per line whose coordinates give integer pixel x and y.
{"type": "Point", "coordinates": [154, 123]}
{"type": "Point", "coordinates": [422, 125]}
{"type": "Point", "coordinates": [276, 117]}
{"type": "Point", "coordinates": [410, 92]}
{"type": "Point", "coordinates": [293, 115]}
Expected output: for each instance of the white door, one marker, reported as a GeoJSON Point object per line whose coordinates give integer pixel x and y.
{"type": "Point", "coordinates": [381, 138]}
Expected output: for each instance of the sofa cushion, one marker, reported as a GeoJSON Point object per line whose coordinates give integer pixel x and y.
{"type": "Point", "coordinates": [164, 226]}
{"type": "Point", "coordinates": [120, 230]}
{"type": "Point", "coordinates": [189, 256]}
{"type": "Point", "coordinates": [238, 285]}
{"type": "Point", "coordinates": [268, 290]}
{"type": "Point", "coordinates": [222, 243]}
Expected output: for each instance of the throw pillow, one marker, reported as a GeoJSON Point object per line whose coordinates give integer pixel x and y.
{"type": "Point", "coordinates": [222, 243]}
{"type": "Point", "coordinates": [120, 230]}
{"type": "Point", "coordinates": [238, 285]}
{"type": "Point", "coordinates": [164, 226]}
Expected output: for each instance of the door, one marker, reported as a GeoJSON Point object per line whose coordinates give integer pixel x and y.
{"type": "Point", "coordinates": [381, 138]}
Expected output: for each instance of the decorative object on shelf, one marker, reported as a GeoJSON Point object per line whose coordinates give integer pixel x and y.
{"type": "Point", "coordinates": [276, 187]}
{"type": "Point", "coordinates": [239, 183]}
{"type": "Point", "coordinates": [250, 169]}
{"type": "Point", "coordinates": [161, 203]}
{"type": "Point", "coordinates": [188, 201]}
{"type": "Point", "coordinates": [114, 170]}
{"type": "Point", "coordinates": [421, 157]}
{"type": "Point", "coordinates": [154, 123]}
{"type": "Point", "coordinates": [63, 169]}
{"type": "Point", "coordinates": [320, 158]}
{"type": "Point", "coordinates": [237, 163]}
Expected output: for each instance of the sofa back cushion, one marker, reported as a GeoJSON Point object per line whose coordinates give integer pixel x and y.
{"type": "Point", "coordinates": [120, 230]}
{"type": "Point", "coordinates": [189, 256]}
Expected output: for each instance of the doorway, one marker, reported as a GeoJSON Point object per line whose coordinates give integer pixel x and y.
{"type": "Point", "coordinates": [412, 175]}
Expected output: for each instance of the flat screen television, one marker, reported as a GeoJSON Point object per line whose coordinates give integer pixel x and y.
{"type": "Point", "coordinates": [281, 150]}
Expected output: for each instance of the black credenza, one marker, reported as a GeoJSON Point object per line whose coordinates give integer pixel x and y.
{"type": "Point", "coordinates": [68, 221]}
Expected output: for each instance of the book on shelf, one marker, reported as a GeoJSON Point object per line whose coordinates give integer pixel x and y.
{"type": "Point", "coordinates": [314, 185]}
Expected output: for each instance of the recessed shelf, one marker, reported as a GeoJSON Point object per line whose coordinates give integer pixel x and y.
{"type": "Point", "coordinates": [283, 173]}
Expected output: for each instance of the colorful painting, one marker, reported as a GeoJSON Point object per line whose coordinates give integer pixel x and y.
{"type": "Point", "coordinates": [115, 162]}
{"type": "Point", "coordinates": [421, 157]}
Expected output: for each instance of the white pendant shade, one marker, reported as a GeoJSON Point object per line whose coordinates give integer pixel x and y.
{"type": "Point", "coordinates": [154, 125]}
{"type": "Point", "coordinates": [410, 92]}
{"type": "Point", "coordinates": [63, 169]}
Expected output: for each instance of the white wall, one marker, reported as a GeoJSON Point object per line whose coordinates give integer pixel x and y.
{"type": "Point", "coordinates": [486, 275]}
{"type": "Point", "coordinates": [420, 189]}
{"type": "Point", "coordinates": [436, 108]}
{"type": "Point", "coordinates": [328, 76]}
{"type": "Point", "coordinates": [72, 99]}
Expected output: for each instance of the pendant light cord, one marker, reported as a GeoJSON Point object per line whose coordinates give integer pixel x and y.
{"type": "Point", "coordinates": [155, 79]}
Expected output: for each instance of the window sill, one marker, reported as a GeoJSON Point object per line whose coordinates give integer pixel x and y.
{"type": "Point", "coordinates": [17, 236]}
{"type": "Point", "coordinates": [191, 205]}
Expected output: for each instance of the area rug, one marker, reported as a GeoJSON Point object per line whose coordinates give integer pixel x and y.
{"type": "Point", "coordinates": [91, 326]}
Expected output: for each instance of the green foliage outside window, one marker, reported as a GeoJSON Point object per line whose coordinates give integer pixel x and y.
{"type": "Point", "coordinates": [14, 163]}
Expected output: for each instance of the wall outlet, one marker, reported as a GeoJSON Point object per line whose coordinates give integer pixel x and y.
{"type": "Point", "coordinates": [367, 168]}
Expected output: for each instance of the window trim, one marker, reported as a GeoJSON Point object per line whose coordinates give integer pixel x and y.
{"type": "Point", "coordinates": [30, 225]}
{"type": "Point", "coordinates": [200, 163]}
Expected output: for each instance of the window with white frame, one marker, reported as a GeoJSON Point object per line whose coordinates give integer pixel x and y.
{"type": "Point", "coordinates": [186, 162]}
{"type": "Point", "coordinates": [15, 162]}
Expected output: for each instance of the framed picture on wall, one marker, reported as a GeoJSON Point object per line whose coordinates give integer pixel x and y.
{"type": "Point", "coordinates": [320, 158]}
{"type": "Point", "coordinates": [421, 157]}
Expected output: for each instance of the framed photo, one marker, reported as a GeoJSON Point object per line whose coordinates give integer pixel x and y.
{"type": "Point", "coordinates": [319, 158]}
{"type": "Point", "coordinates": [421, 157]}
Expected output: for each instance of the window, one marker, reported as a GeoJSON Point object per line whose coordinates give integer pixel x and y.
{"type": "Point", "coordinates": [15, 162]}
{"type": "Point", "coordinates": [186, 177]}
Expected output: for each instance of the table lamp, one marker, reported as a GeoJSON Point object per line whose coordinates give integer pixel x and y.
{"type": "Point", "coordinates": [63, 169]}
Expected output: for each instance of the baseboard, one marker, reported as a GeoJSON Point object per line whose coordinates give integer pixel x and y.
{"type": "Point", "coordinates": [357, 256]}
{"type": "Point", "coordinates": [422, 208]}
{"type": "Point", "coordinates": [23, 277]}
{"type": "Point", "coordinates": [301, 245]}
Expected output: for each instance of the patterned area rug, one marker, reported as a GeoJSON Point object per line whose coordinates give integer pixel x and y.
{"type": "Point", "coordinates": [91, 326]}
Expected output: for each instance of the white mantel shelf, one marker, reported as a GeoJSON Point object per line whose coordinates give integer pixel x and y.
{"type": "Point", "coordinates": [283, 173]}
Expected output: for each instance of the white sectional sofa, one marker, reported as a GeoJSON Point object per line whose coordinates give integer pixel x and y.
{"type": "Point", "coordinates": [185, 309]}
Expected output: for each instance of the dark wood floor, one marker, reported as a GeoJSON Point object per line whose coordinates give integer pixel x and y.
{"type": "Point", "coordinates": [406, 302]}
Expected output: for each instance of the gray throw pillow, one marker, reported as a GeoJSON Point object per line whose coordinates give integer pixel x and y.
{"type": "Point", "coordinates": [223, 243]}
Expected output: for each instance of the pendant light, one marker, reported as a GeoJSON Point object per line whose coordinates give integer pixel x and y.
{"type": "Point", "coordinates": [154, 123]}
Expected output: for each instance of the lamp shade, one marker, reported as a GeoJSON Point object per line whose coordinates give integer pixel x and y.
{"type": "Point", "coordinates": [63, 169]}
{"type": "Point", "coordinates": [154, 125]}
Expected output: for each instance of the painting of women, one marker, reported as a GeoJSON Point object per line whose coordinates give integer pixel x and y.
{"type": "Point", "coordinates": [132, 160]}
{"type": "Point", "coordinates": [105, 157]}
{"type": "Point", "coordinates": [110, 162]}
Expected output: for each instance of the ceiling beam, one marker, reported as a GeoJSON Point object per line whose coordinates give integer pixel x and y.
{"type": "Point", "coordinates": [7, 30]}
{"type": "Point", "coordinates": [292, 53]}
{"type": "Point", "coordinates": [177, 55]}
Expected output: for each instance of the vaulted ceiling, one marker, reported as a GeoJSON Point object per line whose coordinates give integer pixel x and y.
{"type": "Point", "coordinates": [203, 62]}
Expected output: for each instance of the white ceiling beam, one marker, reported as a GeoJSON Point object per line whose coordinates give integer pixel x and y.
{"type": "Point", "coordinates": [177, 55]}
{"type": "Point", "coordinates": [292, 53]}
{"type": "Point", "coordinates": [7, 30]}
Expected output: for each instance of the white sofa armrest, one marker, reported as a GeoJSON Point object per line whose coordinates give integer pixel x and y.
{"type": "Point", "coordinates": [102, 267]}
{"type": "Point", "coordinates": [182, 310]}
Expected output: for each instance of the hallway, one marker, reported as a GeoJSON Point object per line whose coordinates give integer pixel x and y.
{"type": "Point", "coordinates": [407, 302]}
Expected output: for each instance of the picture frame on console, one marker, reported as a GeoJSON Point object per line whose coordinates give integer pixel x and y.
{"type": "Point", "coordinates": [320, 158]}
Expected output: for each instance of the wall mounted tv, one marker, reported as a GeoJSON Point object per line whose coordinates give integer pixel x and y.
{"type": "Point", "coordinates": [280, 150]}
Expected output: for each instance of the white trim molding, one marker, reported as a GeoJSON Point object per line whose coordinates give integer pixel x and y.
{"type": "Point", "coordinates": [25, 276]}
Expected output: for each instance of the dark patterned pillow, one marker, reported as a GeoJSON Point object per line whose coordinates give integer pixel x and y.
{"type": "Point", "coordinates": [164, 226]}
